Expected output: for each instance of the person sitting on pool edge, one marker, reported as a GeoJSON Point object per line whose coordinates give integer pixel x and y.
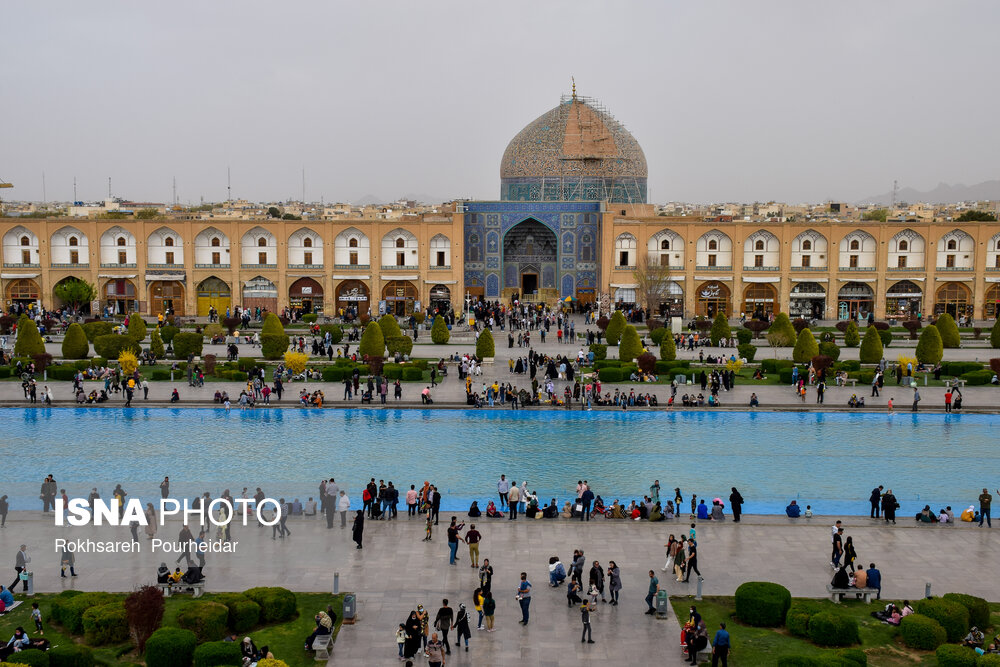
{"type": "Point", "coordinates": [551, 511]}
{"type": "Point", "coordinates": [753, 400]}
{"type": "Point", "coordinates": [474, 510]}
{"type": "Point", "coordinates": [702, 510]}
{"type": "Point", "coordinates": [793, 511]}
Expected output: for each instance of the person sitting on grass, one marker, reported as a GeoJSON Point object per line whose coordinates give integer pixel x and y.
{"type": "Point", "coordinates": [974, 639]}
{"type": "Point", "coordinates": [249, 651]}
{"type": "Point", "coordinates": [324, 626]}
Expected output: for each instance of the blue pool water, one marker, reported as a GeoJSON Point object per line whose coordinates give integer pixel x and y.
{"type": "Point", "coordinates": [828, 460]}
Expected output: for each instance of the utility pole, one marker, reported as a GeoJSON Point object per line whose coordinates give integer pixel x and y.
{"type": "Point", "coordinates": [74, 190]}
{"type": "Point", "coordinates": [229, 184]}
{"type": "Point", "coordinates": [175, 191]}
{"type": "Point", "coordinates": [44, 197]}
{"type": "Point", "coordinates": [303, 185]}
{"type": "Point", "coordinates": [109, 187]}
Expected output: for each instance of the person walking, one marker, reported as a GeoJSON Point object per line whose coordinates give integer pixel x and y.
{"type": "Point", "coordinates": [524, 597]}
{"type": "Point", "coordinates": [985, 499]}
{"type": "Point", "coordinates": [654, 588]}
{"type": "Point", "coordinates": [462, 625]}
{"type": "Point", "coordinates": [432, 651]}
{"type": "Point", "coordinates": [358, 529]}
{"type": "Point", "coordinates": [453, 540]}
{"type": "Point", "coordinates": [165, 488]}
{"type": "Point", "coordinates": [875, 499]}
{"type": "Point", "coordinates": [21, 560]}
{"type": "Point", "coordinates": [489, 608]}
{"type": "Point", "coordinates": [838, 549]}
{"type": "Point", "coordinates": [916, 399]}
{"type": "Point", "coordinates": [343, 504]}
{"type": "Point", "coordinates": [889, 507]}
{"type": "Point", "coordinates": [720, 647]}
{"type": "Point", "coordinates": [614, 581]}
{"type": "Point", "coordinates": [442, 622]}
{"type": "Point", "coordinates": [597, 579]}
{"type": "Point", "coordinates": [736, 503]}
{"type": "Point", "coordinates": [587, 635]}
{"type": "Point", "coordinates": [850, 555]}
{"type": "Point", "coordinates": [692, 561]}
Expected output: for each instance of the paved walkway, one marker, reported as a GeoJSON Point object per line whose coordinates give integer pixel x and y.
{"type": "Point", "coordinates": [396, 571]}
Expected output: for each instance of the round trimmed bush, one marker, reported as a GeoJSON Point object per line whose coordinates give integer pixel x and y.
{"type": "Point", "coordinates": [170, 647]}
{"type": "Point", "coordinates": [70, 612]}
{"type": "Point", "coordinates": [271, 662]}
{"type": "Point", "coordinates": [949, 331]}
{"type": "Point", "coordinates": [105, 624]}
{"type": "Point", "coordinates": [94, 329]}
{"type": "Point", "coordinates": [336, 333]}
{"type": "Point", "coordinates": [656, 335]}
{"type": "Point", "coordinates": [600, 351]}
{"type": "Point", "coordinates": [112, 345]}
{"type": "Point", "coordinates": [952, 616]}
{"type": "Point", "coordinates": [276, 604]}
{"type": "Point", "coordinates": [832, 629]}
{"type": "Point", "coordinates": [616, 325]}
{"type": "Point", "coordinates": [988, 660]}
{"type": "Point", "coordinates": [244, 613]}
{"type": "Point", "coordinates": [922, 632]}
{"type": "Point", "coordinates": [797, 618]}
{"type": "Point", "coordinates": [75, 344]}
{"type": "Point", "coordinates": [333, 374]}
{"type": "Point", "coordinates": [372, 341]}
{"type": "Point", "coordinates": [747, 351]}
{"type": "Point", "coordinates": [187, 343]}
{"type": "Point", "coordinates": [629, 346]}
{"type": "Point", "coordinates": [610, 374]}
{"type": "Point", "coordinates": [952, 655]}
{"type": "Point", "coordinates": [762, 603]}
{"type": "Point", "coordinates": [401, 344]}
{"type": "Point", "coordinates": [485, 348]}
{"type": "Point", "coordinates": [439, 331]}
{"type": "Point", "coordinates": [71, 655]}
{"type": "Point", "coordinates": [274, 345]}
{"type": "Point", "coordinates": [272, 325]}
{"type": "Point", "coordinates": [215, 654]}
{"type": "Point", "coordinates": [412, 374]}
{"type": "Point", "coordinates": [389, 326]}
{"type": "Point", "coordinates": [208, 620]}
{"type": "Point", "coordinates": [979, 609]}
{"type": "Point", "coordinates": [310, 318]}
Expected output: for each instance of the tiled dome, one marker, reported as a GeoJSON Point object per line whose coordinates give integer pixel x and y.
{"type": "Point", "coordinates": [576, 151]}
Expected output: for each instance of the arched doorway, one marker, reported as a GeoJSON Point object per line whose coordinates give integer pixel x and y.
{"type": "Point", "coordinates": [23, 293]}
{"type": "Point", "coordinates": [624, 298]}
{"type": "Point", "coordinates": [400, 297]}
{"type": "Point", "coordinates": [306, 295]}
{"type": "Point", "coordinates": [807, 300]}
{"type": "Point", "coordinates": [352, 299]}
{"type": "Point", "coordinates": [904, 300]}
{"type": "Point", "coordinates": [991, 307]}
{"type": "Point", "coordinates": [119, 296]}
{"type": "Point", "coordinates": [955, 299]}
{"type": "Point", "coordinates": [441, 298]}
{"type": "Point", "coordinates": [166, 297]}
{"type": "Point", "coordinates": [855, 301]}
{"type": "Point", "coordinates": [760, 301]}
{"type": "Point", "coordinates": [672, 300]}
{"type": "Point", "coordinates": [213, 292]}
{"type": "Point", "coordinates": [260, 293]}
{"type": "Point", "coordinates": [712, 298]}
{"type": "Point", "coordinates": [529, 260]}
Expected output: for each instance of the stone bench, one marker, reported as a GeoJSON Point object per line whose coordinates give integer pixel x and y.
{"type": "Point", "coordinates": [851, 381]}
{"type": "Point", "coordinates": [867, 593]}
{"type": "Point", "coordinates": [322, 645]}
{"type": "Point", "coordinates": [170, 588]}
{"type": "Point", "coordinates": [956, 381]}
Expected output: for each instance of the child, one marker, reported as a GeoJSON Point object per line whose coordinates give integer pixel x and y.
{"type": "Point", "coordinates": [593, 595]}
{"type": "Point", "coordinates": [809, 511]}
{"type": "Point", "coordinates": [429, 528]}
{"type": "Point", "coordinates": [890, 405]}
{"type": "Point", "coordinates": [36, 616]}
{"type": "Point", "coordinates": [691, 532]}
{"type": "Point", "coordinates": [176, 576]}
{"type": "Point", "coordinates": [401, 639]}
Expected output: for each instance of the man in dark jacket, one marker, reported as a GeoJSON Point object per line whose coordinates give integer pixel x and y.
{"type": "Point", "coordinates": [875, 500]}
{"type": "Point", "coordinates": [586, 499]}
{"type": "Point", "coordinates": [875, 579]}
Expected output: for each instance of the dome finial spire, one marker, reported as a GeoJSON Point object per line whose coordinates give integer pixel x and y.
{"type": "Point", "coordinates": [573, 79]}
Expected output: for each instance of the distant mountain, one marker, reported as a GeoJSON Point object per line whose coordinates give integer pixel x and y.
{"type": "Point", "coordinates": [942, 194]}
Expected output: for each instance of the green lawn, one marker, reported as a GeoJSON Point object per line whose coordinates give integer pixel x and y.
{"type": "Point", "coordinates": [284, 640]}
{"type": "Point", "coordinates": [764, 646]}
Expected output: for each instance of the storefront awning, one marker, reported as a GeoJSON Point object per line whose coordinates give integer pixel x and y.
{"type": "Point", "coordinates": [954, 279]}
{"type": "Point", "coordinates": [180, 277]}
{"type": "Point", "coordinates": [761, 279]}
{"type": "Point", "coordinates": [625, 285]}
{"type": "Point", "coordinates": [440, 282]}
{"type": "Point", "coordinates": [725, 278]}
{"type": "Point", "coordinates": [400, 277]}
{"type": "Point", "coordinates": [810, 280]}
{"type": "Point", "coordinates": [16, 276]}
{"type": "Point", "coordinates": [338, 276]}
{"type": "Point", "coordinates": [108, 275]}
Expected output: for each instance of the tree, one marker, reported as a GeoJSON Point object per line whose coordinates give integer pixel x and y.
{"type": "Point", "coordinates": [136, 327]}
{"type": "Point", "coordinates": [128, 362]}
{"type": "Point", "coordinates": [615, 328]}
{"type": "Point", "coordinates": [851, 336]}
{"type": "Point", "coordinates": [289, 216]}
{"type": "Point", "coordinates": [668, 348]}
{"type": "Point", "coordinates": [272, 325]}
{"type": "Point", "coordinates": [652, 281]}
{"type": "Point", "coordinates": [144, 614]}
{"type": "Point", "coordinates": [439, 331]}
{"type": "Point", "coordinates": [806, 347]}
{"type": "Point", "coordinates": [755, 327]}
{"type": "Point", "coordinates": [156, 344]}
{"type": "Point", "coordinates": [273, 212]}
{"type": "Point", "coordinates": [147, 214]}
{"type": "Point", "coordinates": [871, 347]}
{"type": "Point", "coordinates": [821, 362]}
{"type": "Point", "coordinates": [950, 337]}
{"type": "Point", "coordinates": [878, 215]}
{"type": "Point", "coordinates": [783, 327]}
{"type": "Point", "coordinates": [930, 348]}
{"type": "Point", "coordinates": [75, 344]}
{"type": "Point", "coordinates": [29, 342]}
{"type": "Point", "coordinates": [976, 216]}
{"type": "Point", "coordinates": [296, 362]}
{"type": "Point", "coordinates": [75, 292]}
{"type": "Point", "coordinates": [646, 362]}
{"type": "Point", "coordinates": [995, 334]}
{"type": "Point", "coordinates": [720, 329]}
{"type": "Point", "coordinates": [372, 341]}
{"type": "Point", "coordinates": [630, 346]}
{"type": "Point", "coordinates": [389, 326]}
{"type": "Point", "coordinates": [484, 345]}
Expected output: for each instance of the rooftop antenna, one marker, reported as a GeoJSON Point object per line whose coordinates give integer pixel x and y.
{"type": "Point", "coordinates": [74, 190]}
{"type": "Point", "coordinates": [229, 184]}
{"type": "Point", "coordinates": [109, 187]}
{"type": "Point", "coordinates": [303, 185]}
{"type": "Point", "coordinates": [175, 191]}
{"type": "Point", "coordinates": [44, 198]}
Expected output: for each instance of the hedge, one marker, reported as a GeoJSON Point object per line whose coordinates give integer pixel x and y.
{"type": "Point", "coordinates": [774, 365]}
{"type": "Point", "coordinates": [979, 609]}
{"type": "Point", "coordinates": [747, 351]}
{"type": "Point", "coordinates": [392, 371]}
{"type": "Point", "coordinates": [978, 377]}
{"type": "Point", "coordinates": [923, 632]}
{"type": "Point", "coordinates": [333, 374]}
{"type": "Point", "coordinates": [274, 345]}
{"type": "Point", "coordinates": [62, 372]}
{"type": "Point", "coordinates": [5, 372]}
{"type": "Point", "coordinates": [69, 611]}
{"type": "Point", "coordinates": [71, 655]}
{"type": "Point", "coordinates": [985, 660]}
{"type": "Point", "coordinates": [94, 329]}
{"type": "Point", "coordinates": [208, 620]}
{"type": "Point", "coordinates": [105, 624]}
{"type": "Point", "coordinates": [952, 655]}
{"type": "Point", "coordinates": [610, 374]}
{"type": "Point", "coordinates": [214, 654]}
{"type": "Point", "coordinates": [187, 343]}
{"type": "Point", "coordinates": [797, 618]}
{"type": "Point", "coordinates": [952, 616]}
{"type": "Point", "coordinates": [276, 604]}
{"type": "Point", "coordinates": [170, 647]}
{"type": "Point", "coordinates": [247, 364]}
{"type": "Point", "coordinates": [160, 374]}
{"type": "Point", "coordinates": [412, 374]}
{"type": "Point", "coordinates": [401, 344]}
{"type": "Point", "coordinates": [960, 367]}
{"type": "Point", "coordinates": [30, 658]}
{"type": "Point", "coordinates": [308, 318]}
{"type": "Point", "coordinates": [832, 629]}
{"type": "Point", "coordinates": [600, 351]}
{"type": "Point", "coordinates": [845, 658]}
{"type": "Point", "coordinates": [244, 613]}
{"type": "Point", "coordinates": [762, 603]}
{"type": "Point", "coordinates": [112, 345]}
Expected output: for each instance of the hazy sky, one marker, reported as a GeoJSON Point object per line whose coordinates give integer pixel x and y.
{"type": "Point", "coordinates": [731, 101]}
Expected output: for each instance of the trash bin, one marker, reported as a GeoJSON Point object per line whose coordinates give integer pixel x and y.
{"type": "Point", "coordinates": [350, 606]}
{"type": "Point", "coordinates": [662, 604]}
{"type": "Point", "coordinates": [29, 578]}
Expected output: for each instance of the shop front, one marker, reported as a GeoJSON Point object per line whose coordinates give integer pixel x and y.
{"type": "Point", "coordinates": [712, 298]}
{"type": "Point", "coordinates": [904, 301]}
{"type": "Point", "coordinates": [760, 301]}
{"type": "Point", "coordinates": [854, 301]}
{"type": "Point", "coordinates": [353, 299]}
{"type": "Point", "coordinates": [807, 301]}
{"type": "Point", "coordinates": [400, 296]}
{"type": "Point", "coordinates": [306, 296]}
